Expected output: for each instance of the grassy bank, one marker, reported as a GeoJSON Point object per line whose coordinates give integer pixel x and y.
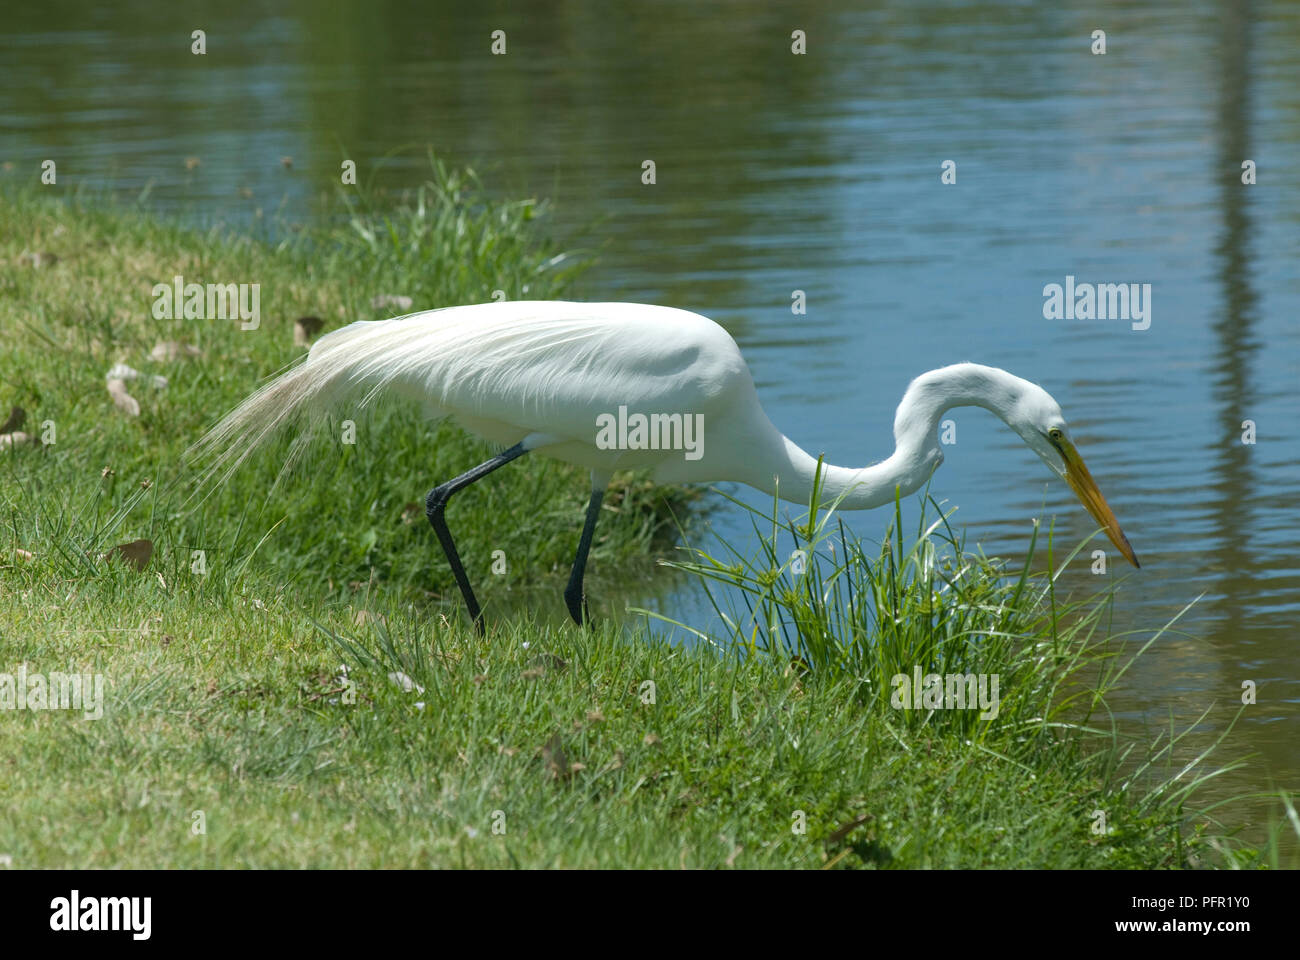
{"type": "Point", "coordinates": [310, 694]}
{"type": "Point", "coordinates": [352, 514]}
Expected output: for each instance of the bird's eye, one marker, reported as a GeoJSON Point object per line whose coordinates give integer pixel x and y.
{"type": "Point", "coordinates": [1055, 434]}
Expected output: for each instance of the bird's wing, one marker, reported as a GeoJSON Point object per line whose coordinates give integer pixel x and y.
{"type": "Point", "coordinates": [541, 366]}
{"type": "Point", "coordinates": [503, 369]}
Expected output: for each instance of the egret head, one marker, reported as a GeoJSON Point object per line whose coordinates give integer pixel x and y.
{"type": "Point", "coordinates": [1038, 419]}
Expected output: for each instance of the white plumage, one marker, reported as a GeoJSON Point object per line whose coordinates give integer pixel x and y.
{"type": "Point", "coordinates": [507, 370]}
{"type": "Point", "coordinates": [545, 375]}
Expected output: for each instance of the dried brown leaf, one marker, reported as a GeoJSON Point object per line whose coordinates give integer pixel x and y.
{"type": "Point", "coordinates": [361, 617]}
{"type": "Point", "coordinates": [305, 330]}
{"type": "Point", "coordinates": [136, 553]}
{"type": "Point", "coordinates": [123, 400]}
{"type": "Point", "coordinates": [547, 661]}
{"type": "Point", "coordinates": [843, 831]}
{"type": "Point", "coordinates": [165, 350]}
{"type": "Point", "coordinates": [17, 417]}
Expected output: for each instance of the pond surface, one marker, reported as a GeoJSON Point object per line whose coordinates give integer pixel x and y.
{"type": "Point", "coordinates": [822, 173]}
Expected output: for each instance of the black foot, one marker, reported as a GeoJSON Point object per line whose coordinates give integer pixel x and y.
{"type": "Point", "coordinates": [579, 610]}
{"type": "Point", "coordinates": [574, 600]}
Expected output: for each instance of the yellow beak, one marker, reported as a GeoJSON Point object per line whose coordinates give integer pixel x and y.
{"type": "Point", "coordinates": [1085, 488]}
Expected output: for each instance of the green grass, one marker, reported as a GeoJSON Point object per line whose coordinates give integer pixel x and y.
{"type": "Point", "coordinates": [353, 513]}
{"type": "Point", "coordinates": [266, 693]}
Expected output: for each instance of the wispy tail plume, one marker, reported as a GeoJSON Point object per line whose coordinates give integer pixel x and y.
{"type": "Point", "coordinates": [339, 361]}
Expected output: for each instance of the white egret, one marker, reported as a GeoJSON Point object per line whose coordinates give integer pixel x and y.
{"type": "Point", "coordinates": [611, 386]}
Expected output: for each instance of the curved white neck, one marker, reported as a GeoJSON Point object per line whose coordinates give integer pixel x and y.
{"type": "Point", "coordinates": [916, 453]}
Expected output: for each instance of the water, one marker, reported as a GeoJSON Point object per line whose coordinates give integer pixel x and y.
{"type": "Point", "coordinates": [821, 173]}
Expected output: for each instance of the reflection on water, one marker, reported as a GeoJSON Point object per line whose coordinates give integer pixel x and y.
{"type": "Point", "coordinates": [821, 173]}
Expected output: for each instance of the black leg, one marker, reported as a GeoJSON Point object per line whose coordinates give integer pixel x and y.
{"type": "Point", "coordinates": [436, 504]}
{"type": "Point", "coordinates": [573, 597]}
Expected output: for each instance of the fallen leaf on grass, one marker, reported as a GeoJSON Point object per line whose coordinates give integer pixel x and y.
{"type": "Point", "coordinates": [547, 661]}
{"type": "Point", "coordinates": [361, 617]}
{"type": "Point", "coordinates": [305, 329]}
{"type": "Point", "coordinates": [123, 400]}
{"type": "Point", "coordinates": [136, 553]}
{"type": "Point", "coordinates": [841, 832]}
{"type": "Point", "coordinates": [37, 259]}
{"type": "Point", "coordinates": [17, 417]}
{"type": "Point", "coordinates": [165, 350]}
{"type": "Point", "coordinates": [120, 371]}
